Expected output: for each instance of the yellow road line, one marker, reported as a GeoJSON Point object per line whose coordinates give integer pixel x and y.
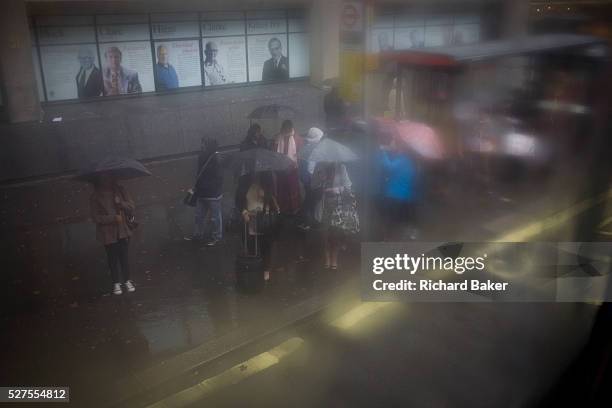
{"type": "Point", "coordinates": [536, 228]}
{"type": "Point", "coordinates": [605, 222]}
{"type": "Point", "coordinates": [231, 376]}
{"type": "Point", "coordinates": [358, 313]}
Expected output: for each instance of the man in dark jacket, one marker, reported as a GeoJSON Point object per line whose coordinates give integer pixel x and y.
{"type": "Point", "coordinates": [277, 67]}
{"type": "Point", "coordinates": [89, 77]}
{"type": "Point", "coordinates": [209, 193]}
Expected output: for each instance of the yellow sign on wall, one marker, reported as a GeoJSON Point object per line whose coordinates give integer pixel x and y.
{"type": "Point", "coordinates": [351, 75]}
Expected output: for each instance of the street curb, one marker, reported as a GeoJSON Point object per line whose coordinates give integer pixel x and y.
{"type": "Point", "coordinates": [136, 387]}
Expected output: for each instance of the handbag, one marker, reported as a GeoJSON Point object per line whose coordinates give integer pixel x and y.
{"type": "Point", "coordinates": [190, 199]}
{"type": "Point", "coordinates": [130, 219]}
{"type": "Point", "coordinates": [128, 215]}
{"type": "Point", "coordinates": [345, 216]}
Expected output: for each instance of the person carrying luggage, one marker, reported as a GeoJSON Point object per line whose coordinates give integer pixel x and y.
{"type": "Point", "coordinates": [259, 209]}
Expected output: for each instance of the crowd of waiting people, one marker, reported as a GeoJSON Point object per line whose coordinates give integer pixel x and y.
{"type": "Point", "coordinates": [313, 196]}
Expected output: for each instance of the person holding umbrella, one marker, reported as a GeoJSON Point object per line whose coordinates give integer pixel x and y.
{"type": "Point", "coordinates": [254, 139]}
{"type": "Point", "coordinates": [399, 188]}
{"type": "Point", "coordinates": [112, 210]}
{"type": "Point", "coordinates": [306, 170]}
{"type": "Point", "coordinates": [287, 182]}
{"type": "Point", "coordinates": [336, 211]}
{"type": "Point", "coordinates": [109, 204]}
{"type": "Point", "coordinates": [256, 199]}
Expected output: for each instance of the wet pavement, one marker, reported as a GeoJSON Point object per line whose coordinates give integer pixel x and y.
{"type": "Point", "coordinates": [64, 327]}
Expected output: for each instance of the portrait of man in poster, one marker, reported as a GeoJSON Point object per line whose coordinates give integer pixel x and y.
{"type": "Point", "coordinates": [165, 74]}
{"type": "Point", "coordinates": [277, 67]}
{"type": "Point", "coordinates": [214, 73]}
{"type": "Point", "coordinates": [118, 79]}
{"type": "Point", "coordinates": [89, 77]}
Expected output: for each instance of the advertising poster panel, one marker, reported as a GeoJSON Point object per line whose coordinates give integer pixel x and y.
{"type": "Point", "coordinates": [224, 46]}
{"type": "Point", "coordinates": [177, 64]}
{"type": "Point", "coordinates": [71, 71]}
{"type": "Point", "coordinates": [224, 60]}
{"type": "Point", "coordinates": [127, 68]}
{"type": "Point", "coordinates": [125, 49]}
{"type": "Point", "coordinates": [69, 57]}
{"type": "Point", "coordinates": [268, 59]}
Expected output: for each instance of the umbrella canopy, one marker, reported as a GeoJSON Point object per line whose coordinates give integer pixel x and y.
{"type": "Point", "coordinates": [121, 168]}
{"type": "Point", "coordinates": [418, 137]}
{"type": "Point", "coordinates": [258, 160]}
{"type": "Point", "coordinates": [328, 150]}
{"type": "Point", "coordinates": [273, 111]}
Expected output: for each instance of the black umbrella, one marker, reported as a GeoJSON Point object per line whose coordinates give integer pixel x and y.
{"type": "Point", "coordinates": [257, 160]}
{"type": "Point", "coordinates": [328, 150]}
{"type": "Point", "coordinates": [121, 168]}
{"type": "Point", "coordinates": [273, 111]}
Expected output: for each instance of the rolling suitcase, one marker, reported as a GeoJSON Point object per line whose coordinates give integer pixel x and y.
{"type": "Point", "coordinates": [249, 268]}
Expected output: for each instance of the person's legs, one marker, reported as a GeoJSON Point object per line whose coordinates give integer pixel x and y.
{"type": "Point", "coordinates": [112, 254]}
{"type": "Point", "coordinates": [216, 218]}
{"type": "Point", "coordinates": [327, 248]}
{"type": "Point", "coordinates": [309, 203]}
{"type": "Point", "coordinates": [123, 254]}
{"type": "Point", "coordinates": [200, 218]}
{"type": "Point", "coordinates": [334, 238]}
{"type": "Point", "coordinates": [391, 217]}
{"type": "Point", "coordinates": [265, 245]}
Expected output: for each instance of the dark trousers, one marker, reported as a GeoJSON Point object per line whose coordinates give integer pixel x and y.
{"type": "Point", "coordinates": [310, 201]}
{"type": "Point", "coordinates": [117, 254]}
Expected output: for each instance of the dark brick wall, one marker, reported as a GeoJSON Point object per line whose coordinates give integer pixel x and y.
{"type": "Point", "coordinates": [145, 127]}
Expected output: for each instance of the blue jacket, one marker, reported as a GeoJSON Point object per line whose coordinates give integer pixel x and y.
{"type": "Point", "coordinates": [400, 176]}
{"type": "Point", "coordinates": [165, 77]}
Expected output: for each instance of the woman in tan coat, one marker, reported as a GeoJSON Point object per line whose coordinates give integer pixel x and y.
{"type": "Point", "coordinates": [109, 204]}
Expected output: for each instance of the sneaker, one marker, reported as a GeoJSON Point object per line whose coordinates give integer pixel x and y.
{"type": "Point", "coordinates": [212, 243]}
{"type": "Point", "coordinates": [129, 286]}
{"type": "Point", "coordinates": [117, 289]}
{"type": "Point", "coordinates": [192, 238]}
{"type": "Point", "coordinates": [304, 227]}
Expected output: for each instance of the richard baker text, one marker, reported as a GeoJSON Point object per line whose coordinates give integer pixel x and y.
{"type": "Point", "coordinates": [472, 285]}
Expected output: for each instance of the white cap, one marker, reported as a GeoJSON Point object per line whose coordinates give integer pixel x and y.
{"type": "Point", "coordinates": [314, 134]}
